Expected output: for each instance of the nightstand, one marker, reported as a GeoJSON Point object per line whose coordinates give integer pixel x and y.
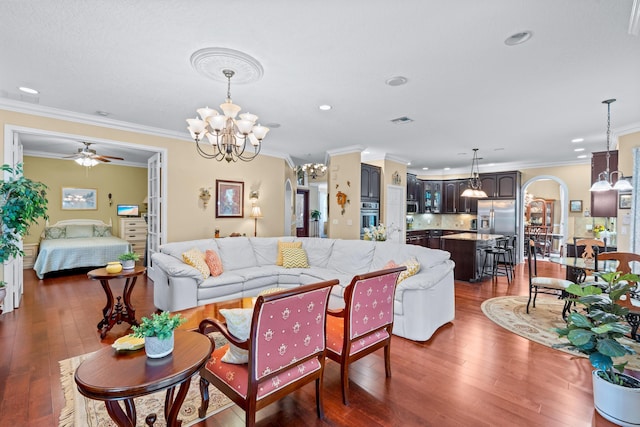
{"type": "Point", "coordinates": [30, 255]}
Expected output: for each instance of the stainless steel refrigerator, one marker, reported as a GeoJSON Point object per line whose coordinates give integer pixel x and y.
{"type": "Point", "coordinates": [497, 217]}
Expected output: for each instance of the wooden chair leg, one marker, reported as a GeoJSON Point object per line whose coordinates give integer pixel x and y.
{"type": "Point", "coordinates": [204, 395]}
{"type": "Point", "coordinates": [387, 359]}
{"type": "Point", "coordinates": [344, 376]}
{"type": "Point", "coordinates": [319, 400]}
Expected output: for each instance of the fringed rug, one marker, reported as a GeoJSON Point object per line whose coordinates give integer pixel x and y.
{"type": "Point", "coordinates": [80, 411]}
{"type": "Point", "coordinates": [510, 312]}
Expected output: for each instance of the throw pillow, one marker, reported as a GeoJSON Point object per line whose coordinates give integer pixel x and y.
{"type": "Point", "coordinates": [282, 245]}
{"type": "Point", "coordinates": [79, 230]}
{"type": "Point", "coordinates": [195, 259]}
{"type": "Point", "coordinates": [101, 231]}
{"type": "Point", "coordinates": [413, 266]}
{"type": "Point", "coordinates": [390, 264]}
{"type": "Point", "coordinates": [55, 232]}
{"type": "Point", "coordinates": [294, 258]}
{"type": "Point", "coordinates": [213, 261]}
{"type": "Point", "coordinates": [239, 325]}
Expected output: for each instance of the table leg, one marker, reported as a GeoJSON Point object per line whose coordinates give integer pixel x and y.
{"type": "Point", "coordinates": [129, 312]}
{"type": "Point", "coordinates": [172, 409]}
{"type": "Point", "coordinates": [104, 325]}
{"type": "Point", "coordinates": [117, 414]}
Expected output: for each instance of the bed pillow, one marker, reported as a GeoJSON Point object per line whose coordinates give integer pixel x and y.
{"type": "Point", "coordinates": [195, 259]}
{"type": "Point", "coordinates": [55, 233]}
{"type": "Point", "coordinates": [294, 258]}
{"type": "Point", "coordinates": [101, 231]}
{"type": "Point", "coordinates": [213, 262]}
{"type": "Point", "coordinates": [79, 230]}
{"type": "Point", "coordinates": [239, 325]}
{"type": "Point", "coordinates": [282, 245]}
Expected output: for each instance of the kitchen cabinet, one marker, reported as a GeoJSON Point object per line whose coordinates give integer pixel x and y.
{"type": "Point", "coordinates": [502, 185]}
{"type": "Point", "coordinates": [453, 202]}
{"type": "Point", "coordinates": [414, 188]}
{"type": "Point", "coordinates": [369, 183]}
{"type": "Point", "coordinates": [604, 203]}
{"type": "Point", "coordinates": [432, 196]}
{"type": "Point", "coordinates": [418, 237]}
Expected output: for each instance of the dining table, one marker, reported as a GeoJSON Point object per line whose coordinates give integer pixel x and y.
{"type": "Point", "coordinates": [576, 266]}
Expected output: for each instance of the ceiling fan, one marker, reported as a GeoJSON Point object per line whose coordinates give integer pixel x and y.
{"type": "Point", "coordinates": [88, 157]}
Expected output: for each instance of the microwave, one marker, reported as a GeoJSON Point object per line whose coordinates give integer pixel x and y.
{"type": "Point", "coordinates": [412, 207]}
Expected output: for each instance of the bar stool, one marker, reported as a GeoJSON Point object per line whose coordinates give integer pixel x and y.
{"type": "Point", "coordinates": [501, 263]}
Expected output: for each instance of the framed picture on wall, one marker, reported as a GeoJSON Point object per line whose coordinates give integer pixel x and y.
{"type": "Point", "coordinates": [229, 199]}
{"type": "Point", "coordinates": [624, 201]}
{"type": "Point", "coordinates": [575, 206]}
{"type": "Point", "coordinates": [79, 199]}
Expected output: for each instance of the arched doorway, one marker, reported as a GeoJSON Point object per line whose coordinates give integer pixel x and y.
{"type": "Point", "coordinates": [288, 207]}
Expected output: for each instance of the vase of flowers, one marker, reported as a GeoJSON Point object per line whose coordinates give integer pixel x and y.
{"type": "Point", "coordinates": [597, 230]}
{"type": "Point", "coordinates": [377, 233]}
{"type": "Point", "coordinates": [158, 331]}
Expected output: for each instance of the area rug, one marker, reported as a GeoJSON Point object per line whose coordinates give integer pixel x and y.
{"type": "Point", "coordinates": [510, 312]}
{"type": "Point", "coordinates": [80, 411]}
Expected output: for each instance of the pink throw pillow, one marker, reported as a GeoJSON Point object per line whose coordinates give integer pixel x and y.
{"type": "Point", "coordinates": [213, 261]}
{"type": "Point", "coordinates": [390, 264]}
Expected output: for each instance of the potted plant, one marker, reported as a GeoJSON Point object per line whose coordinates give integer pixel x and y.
{"type": "Point", "coordinates": [22, 203]}
{"type": "Point", "coordinates": [315, 215]}
{"type": "Point", "coordinates": [595, 331]}
{"type": "Point", "coordinates": [128, 260]}
{"type": "Point", "coordinates": [158, 331]}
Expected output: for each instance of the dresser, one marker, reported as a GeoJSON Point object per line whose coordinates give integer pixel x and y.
{"type": "Point", "coordinates": [134, 231]}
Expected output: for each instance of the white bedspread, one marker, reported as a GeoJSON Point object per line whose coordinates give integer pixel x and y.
{"type": "Point", "coordinates": [63, 254]}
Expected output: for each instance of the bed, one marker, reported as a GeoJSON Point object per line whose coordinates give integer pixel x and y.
{"type": "Point", "coordinates": [77, 243]}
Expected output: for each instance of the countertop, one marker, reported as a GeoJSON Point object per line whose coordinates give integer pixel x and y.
{"type": "Point", "coordinates": [473, 236]}
{"type": "Point", "coordinates": [459, 230]}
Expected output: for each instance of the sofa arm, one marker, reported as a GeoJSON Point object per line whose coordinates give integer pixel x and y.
{"type": "Point", "coordinates": [173, 267]}
{"type": "Point", "coordinates": [425, 279]}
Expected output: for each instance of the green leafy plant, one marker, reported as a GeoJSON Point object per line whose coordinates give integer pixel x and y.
{"type": "Point", "coordinates": [22, 203]}
{"type": "Point", "coordinates": [159, 325]}
{"type": "Point", "coordinates": [595, 331]}
{"type": "Point", "coordinates": [129, 256]}
{"type": "Point", "coordinates": [2, 284]}
{"type": "Point", "coordinates": [315, 215]}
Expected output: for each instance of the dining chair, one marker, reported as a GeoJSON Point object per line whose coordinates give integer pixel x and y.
{"type": "Point", "coordinates": [545, 285]}
{"type": "Point", "coordinates": [286, 348]}
{"type": "Point", "coordinates": [365, 323]}
{"type": "Point", "coordinates": [541, 238]}
{"type": "Point", "coordinates": [625, 265]}
{"type": "Point", "coordinates": [588, 249]}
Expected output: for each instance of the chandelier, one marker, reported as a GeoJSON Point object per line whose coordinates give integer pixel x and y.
{"type": "Point", "coordinates": [475, 186]}
{"type": "Point", "coordinates": [604, 182]}
{"type": "Point", "coordinates": [314, 170]}
{"type": "Point", "coordinates": [229, 137]}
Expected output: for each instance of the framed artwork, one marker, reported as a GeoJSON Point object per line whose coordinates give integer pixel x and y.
{"type": "Point", "coordinates": [624, 201]}
{"type": "Point", "coordinates": [79, 199]}
{"type": "Point", "coordinates": [301, 177]}
{"type": "Point", "coordinates": [575, 206]}
{"type": "Point", "coordinates": [229, 199]}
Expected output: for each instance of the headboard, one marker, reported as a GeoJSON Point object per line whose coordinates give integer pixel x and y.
{"type": "Point", "coordinates": [79, 222]}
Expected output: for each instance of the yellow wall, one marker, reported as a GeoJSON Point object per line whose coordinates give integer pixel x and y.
{"type": "Point", "coordinates": [344, 176]}
{"type": "Point", "coordinates": [626, 144]}
{"type": "Point", "coordinates": [127, 185]}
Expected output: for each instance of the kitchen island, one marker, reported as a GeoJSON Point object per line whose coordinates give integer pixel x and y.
{"type": "Point", "coordinates": [467, 251]}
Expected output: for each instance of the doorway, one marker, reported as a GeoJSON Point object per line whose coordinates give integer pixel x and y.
{"type": "Point", "coordinates": [302, 213]}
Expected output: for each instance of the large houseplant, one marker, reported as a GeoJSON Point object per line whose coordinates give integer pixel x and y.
{"type": "Point", "coordinates": [157, 332]}
{"type": "Point", "coordinates": [596, 332]}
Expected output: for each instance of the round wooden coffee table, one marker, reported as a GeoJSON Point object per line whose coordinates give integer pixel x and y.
{"type": "Point", "coordinates": [111, 376]}
{"type": "Point", "coordinates": [117, 311]}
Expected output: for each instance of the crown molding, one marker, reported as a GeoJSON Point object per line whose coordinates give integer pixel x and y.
{"type": "Point", "coordinates": [345, 150]}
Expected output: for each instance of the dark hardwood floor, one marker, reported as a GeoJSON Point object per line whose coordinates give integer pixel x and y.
{"type": "Point", "coordinates": [470, 373]}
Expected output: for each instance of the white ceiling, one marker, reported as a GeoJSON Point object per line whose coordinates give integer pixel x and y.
{"type": "Point", "coordinates": [520, 105]}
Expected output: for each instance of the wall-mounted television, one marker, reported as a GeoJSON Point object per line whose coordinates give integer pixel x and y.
{"type": "Point", "coordinates": [128, 210]}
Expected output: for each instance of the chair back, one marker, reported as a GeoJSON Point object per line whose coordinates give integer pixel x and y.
{"type": "Point", "coordinates": [369, 303]}
{"type": "Point", "coordinates": [532, 259]}
{"type": "Point", "coordinates": [625, 260]}
{"type": "Point", "coordinates": [590, 249]}
{"type": "Point", "coordinates": [288, 329]}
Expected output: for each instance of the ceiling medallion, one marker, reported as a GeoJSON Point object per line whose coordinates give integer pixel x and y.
{"type": "Point", "coordinates": [212, 61]}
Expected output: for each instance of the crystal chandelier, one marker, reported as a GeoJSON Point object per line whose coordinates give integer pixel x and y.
{"type": "Point", "coordinates": [604, 178]}
{"type": "Point", "coordinates": [227, 135]}
{"type": "Point", "coordinates": [314, 170]}
{"type": "Point", "coordinates": [475, 186]}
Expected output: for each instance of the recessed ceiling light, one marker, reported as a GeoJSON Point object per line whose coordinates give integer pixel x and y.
{"type": "Point", "coordinates": [396, 81]}
{"type": "Point", "coordinates": [325, 107]}
{"type": "Point", "coordinates": [576, 140]}
{"type": "Point", "coordinates": [518, 38]}
{"type": "Point", "coordinates": [425, 169]}
{"type": "Point", "coordinates": [102, 113]}
{"type": "Point", "coordinates": [366, 152]}
{"type": "Point", "coordinates": [408, 163]}
{"type": "Point", "coordinates": [28, 90]}
{"type": "Point", "coordinates": [579, 149]}
{"type": "Point", "coordinates": [447, 169]}
{"type": "Point", "coordinates": [582, 156]}
{"type": "Point", "coordinates": [401, 120]}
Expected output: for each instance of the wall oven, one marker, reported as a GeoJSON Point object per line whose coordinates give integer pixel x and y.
{"type": "Point", "coordinates": [369, 216]}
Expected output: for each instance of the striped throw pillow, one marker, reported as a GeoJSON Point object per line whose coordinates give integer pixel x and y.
{"type": "Point", "coordinates": [294, 258]}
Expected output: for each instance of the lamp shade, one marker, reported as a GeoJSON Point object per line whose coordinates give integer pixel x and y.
{"type": "Point", "coordinates": [623, 185]}
{"type": "Point", "coordinates": [255, 212]}
{"type": "Point", "coordinates": [601, 185]}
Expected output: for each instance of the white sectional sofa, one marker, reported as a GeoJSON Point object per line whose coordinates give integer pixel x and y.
{"type": "Point", "coordinates": [424, 301]}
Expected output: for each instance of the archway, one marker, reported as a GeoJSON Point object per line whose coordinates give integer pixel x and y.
{"type": "Point", "coordinates": [564, 216]}
{"type": "Point", "coordinates": [288, 207]}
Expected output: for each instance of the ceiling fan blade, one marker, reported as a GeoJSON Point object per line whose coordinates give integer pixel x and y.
{"type": "Point", "coordinates": [74, 156]}
{"type": "Point", "coordinates": [112, 157]}
{"type": "Point", "coordinates": [101, 158]}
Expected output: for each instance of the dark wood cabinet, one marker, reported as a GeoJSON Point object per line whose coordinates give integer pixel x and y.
{"type": "Point", "coordinates": [450, 197]}
{"type": "Point", "coordinates": [418, 237]}
{"type": "Point", "coordinates": [432, 196]}
{"type": "Point", "coordinates": [604, 203]}
{"type": "Point", "coordinates": [502, 185]}
{"type": "Point", "coordinates": [369, 183]}
{"type": "Point", "coordinates": [466, 204]}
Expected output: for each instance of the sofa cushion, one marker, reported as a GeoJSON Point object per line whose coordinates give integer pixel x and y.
{"type": "Point", "coordinates": [195, 259]}
{"type": "Point", "coordinates": [413, 266]}
{"type": "Point", "coordinates": [389, 251]}
{"type": "Point", "coordinates": [266, 248]}
{"type": "Point", "coordinates": [351, 256]}
{"type": "Point", "coordinates": [318, 250]}
{"type": "Point", "coordinates": [213, 262]}
{"type": "Point", "coordinates": [239, 325]}
{"type": "Point", "coordinates": [176, 249]}
{"type": "Point", "coordinates": [282, 245]}
{"type": "Point", "coordinates": [236, 253]}
{"type": "Point", "coordinates": [428, 257]}
{"type": "Point", "coordinates": [294, 258]}
{"type": "Point", "coordinates": [258, 277]}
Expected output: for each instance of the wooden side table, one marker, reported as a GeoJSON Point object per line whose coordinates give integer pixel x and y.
{"type": "Point", "coordinates": [117, 311]}
{"type": "Point", "coordinates": [111, 376]}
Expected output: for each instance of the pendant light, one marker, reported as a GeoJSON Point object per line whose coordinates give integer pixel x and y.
{"type": "Point", "coordinates": [604, 182]}
{"type": "Point", "coordinates": [475, 186]}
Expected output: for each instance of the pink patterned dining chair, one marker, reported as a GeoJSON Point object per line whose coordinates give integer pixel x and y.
{"type": "Point", "coordinates": [365, 323]}
{"type": "Point", "coordinates": [286, 350]}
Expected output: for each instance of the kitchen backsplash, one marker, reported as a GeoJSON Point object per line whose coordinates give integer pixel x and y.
{"type": "Point", "coordinates": [440, 221]}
